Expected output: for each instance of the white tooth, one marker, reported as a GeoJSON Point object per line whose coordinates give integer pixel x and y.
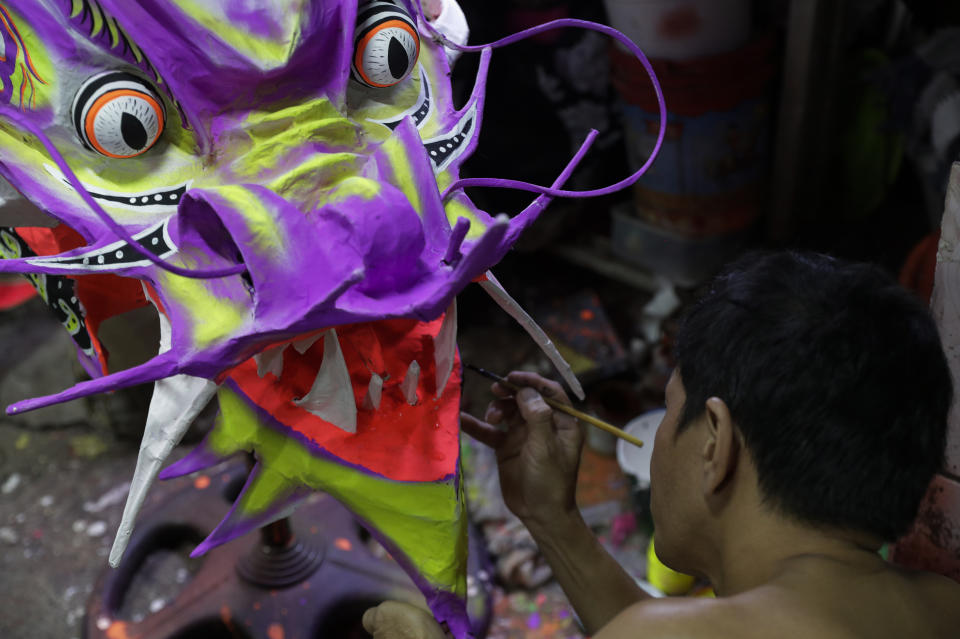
{"type": "Point", "coordinates": [374, 393]}
{"type": "Point", "coordinates": [304, 345]}
{"type": "Point", "coordinates": [410, 382]}
{"type": "Point", "coordinates": [176, 403]}
{"type": "Point", "coordinates": [445, 347]}
{"type": "Point", "coordinates": [165, 328]}
{"type": "Point", "coordinates": [331, 397]}
{"type": "Point", "coordinates": [270, 360]}
{"type": "Point", "coordinates": [510, 305]}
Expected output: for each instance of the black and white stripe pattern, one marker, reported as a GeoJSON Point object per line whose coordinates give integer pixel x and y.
{"type": "Point", "coordinates": [116, 256]}
{"type": "Point", "coordinates": [444, 150]}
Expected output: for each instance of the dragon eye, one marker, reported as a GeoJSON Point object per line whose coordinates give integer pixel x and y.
{"type": "Point", "coordinates": [118, 114]}
{"type": "Point", "coordinates": [386, 44]}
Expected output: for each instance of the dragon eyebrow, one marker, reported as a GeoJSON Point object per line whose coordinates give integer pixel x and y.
{"type": "Point", "coordinates": [102, 29]}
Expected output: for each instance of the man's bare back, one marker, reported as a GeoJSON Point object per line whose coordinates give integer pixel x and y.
{"type": "Point", "coordinates": [814, 598]}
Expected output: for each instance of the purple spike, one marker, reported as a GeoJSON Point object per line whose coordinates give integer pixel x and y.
{"type": "Point", "coordinates": [200, 458]}
{"type": "Point", "coordinates": [529, 215]}
{"type": "Point", "coordinates": [236, 523]}
{"type": "Point", "coordinates": [460, 231]}
{"type": "Point", "coordinates": [159, 367]}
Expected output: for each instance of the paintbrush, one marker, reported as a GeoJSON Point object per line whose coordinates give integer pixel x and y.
{"type": "Point", "coordinates": [569, 410]}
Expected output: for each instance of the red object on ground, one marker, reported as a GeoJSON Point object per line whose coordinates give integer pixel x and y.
{"type": "Point", "coordinates": [13, 294]}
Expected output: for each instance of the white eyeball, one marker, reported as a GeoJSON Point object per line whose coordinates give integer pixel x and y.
{"type": "Point", "coordinates": [386, 44]}
{"type": "Point", "coordinates": [118, 114]}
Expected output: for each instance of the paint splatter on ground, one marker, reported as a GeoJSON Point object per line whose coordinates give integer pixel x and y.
{"type": "Point", "coordinates": [533, 615]}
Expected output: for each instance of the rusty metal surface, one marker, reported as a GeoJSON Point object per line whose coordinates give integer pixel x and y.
{"type": "Point", "coordinates": [934, 542]}
{"type": "Point", "coordinates": [945, 305]}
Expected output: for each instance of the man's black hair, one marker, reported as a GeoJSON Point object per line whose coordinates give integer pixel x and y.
{"type": "Point", "coordinates": [837, 379]}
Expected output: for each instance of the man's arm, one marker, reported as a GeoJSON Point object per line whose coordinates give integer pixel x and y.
{"type": "Point", "coordinates": [596, 585]}
{"type": "Point", "coordinates": [538, 456]}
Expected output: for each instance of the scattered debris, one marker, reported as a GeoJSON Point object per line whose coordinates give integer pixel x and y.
{"type": "Point", "coordinates": [9, 536]}
{"type": "Point", "coordinates": [46, 501]}
{"type": "Point", "coordinates": [88, 446]}
{"type": "Point", "coordinates": [97, 528]}
{"type": "Point", "coordinates": [157, 605]}
{"type": "Point", "coordinates": [113, 496]}
{"type": "Point", "coordinates": [13, 481]}
{"type": "Point", "coordinates": [79, 526]}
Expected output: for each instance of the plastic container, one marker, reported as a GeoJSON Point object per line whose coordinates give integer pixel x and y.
{"type": "Point", "coordinates": [682, 29]}
{"type": "Point", "coordinates": [683, 259]}
{"type": "Point", "coordinates": [707, 186]}
{"type": "Point", "coordinates": [636, 461]}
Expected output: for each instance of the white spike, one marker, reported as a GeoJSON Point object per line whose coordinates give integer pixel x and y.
{"type": "Point", "coordinates": [445, 347]}
{"type": "Point", "coordinates": [410, 382]}
{"type": "Point", "coordinates": [374, 393]}
{"type": "Point", "coordinates": [176, 403]}
{"type": "Point", "coordinates": [510, 305]}
{"type": "Point", "coordinates": [304, 345]}
{"type": "Point", "coordinates": [331, 397]}
{"type": "Point", "coordinates": [271, 360]}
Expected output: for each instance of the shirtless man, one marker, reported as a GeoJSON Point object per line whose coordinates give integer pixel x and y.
{"type": "Point", "coordinates": [804, 421]}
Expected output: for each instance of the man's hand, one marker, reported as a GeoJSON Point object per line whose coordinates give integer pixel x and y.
{"type": "Point", "coordinates": [395, 620]}
{"type": "Point", "coordinates": [538, 453]}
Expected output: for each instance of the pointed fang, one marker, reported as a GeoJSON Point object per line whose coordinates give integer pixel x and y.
{"type": "Point", "coordinates": [410, 382]}
{"type": "Point", "coordinates": [304, 345]}
{"type": "Point", "coordinates": [331, 398]}
{"type": "Point", "coordinates": [445, 347]}
{"type": "Point", "coordinates": [176, 403]}
{"type": "Point", "coordinates": [270, 361]}
{"type": "Point", "coordinates": [374, 393]}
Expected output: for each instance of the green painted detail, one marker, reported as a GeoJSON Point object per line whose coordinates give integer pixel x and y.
{"type": "Point", "coordinates": [354, 187]}
{"type": "Point", "coordinates": [275, 138]}
{"type": "Point", "coordinates": [97, 14]}
{"type": "Point", "coordinates": [76, 8]}
{"type": "Point", "coordinates": [384, 103]}
{"type": "Point", "coordinates": [425, 520]}
{"type": "Point", "coordinates": [301, 183]}
{"type": "Point", "coordinates": [212, 317]}
{"type": "Point", "coordinates": [114, 34]}
{"type": "Point", "coordinates": [271, 53]}
{"type": "Point", "coordinates": [403, 177]}
{"type": "Point", "coordinates": [35, 91]}
{"type": "Point", "coordinates": [458, 206]}
{"type": "Point", "coordinates": [264, 234]}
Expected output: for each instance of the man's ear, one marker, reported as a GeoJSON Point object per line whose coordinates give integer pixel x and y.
{"type": "Point", "coordinates": [721, 448]}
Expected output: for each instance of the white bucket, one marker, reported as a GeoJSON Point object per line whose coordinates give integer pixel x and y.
{"type": "Point", "coordinates": [635, 460]}
{"type": "Point", "coordinates": [682, 29]}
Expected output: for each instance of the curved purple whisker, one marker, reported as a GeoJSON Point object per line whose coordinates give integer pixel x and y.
{"type": "Point", "coordinates": [528, 33]}
{"type": "Point", "coordinates": [118, 230]}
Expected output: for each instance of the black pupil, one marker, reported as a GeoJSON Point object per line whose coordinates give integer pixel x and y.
{"type": "Point", "coordinates": [397, 58]}
{"type": "Point", "coordinates": [133, 131]}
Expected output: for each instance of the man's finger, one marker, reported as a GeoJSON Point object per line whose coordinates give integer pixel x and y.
{"type": "Point", "coordinates": [535, 411]}
{"type": "Point", "coordinates": [481, 431]}
{"type": "Point", "coordinates": [501, 391]}
{"type": "Point", "coordinates": [369, 620]}
{"type": "Point", "coordinates": [501, 411]}
{"type": "Point", "coordinates": [546, 387]}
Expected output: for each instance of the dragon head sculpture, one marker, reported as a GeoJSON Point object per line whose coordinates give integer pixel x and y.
{"type": "Point", "coordinates": [268, 174]}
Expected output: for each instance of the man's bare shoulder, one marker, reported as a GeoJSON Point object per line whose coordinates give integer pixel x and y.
{"type": "Point", "coordinates": [894, 604]}
{"type": "Point", "coordinates": [678, 617]}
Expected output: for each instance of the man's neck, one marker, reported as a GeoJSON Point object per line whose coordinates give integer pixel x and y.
{"type": "Point", "coordinates": [750, 556]}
